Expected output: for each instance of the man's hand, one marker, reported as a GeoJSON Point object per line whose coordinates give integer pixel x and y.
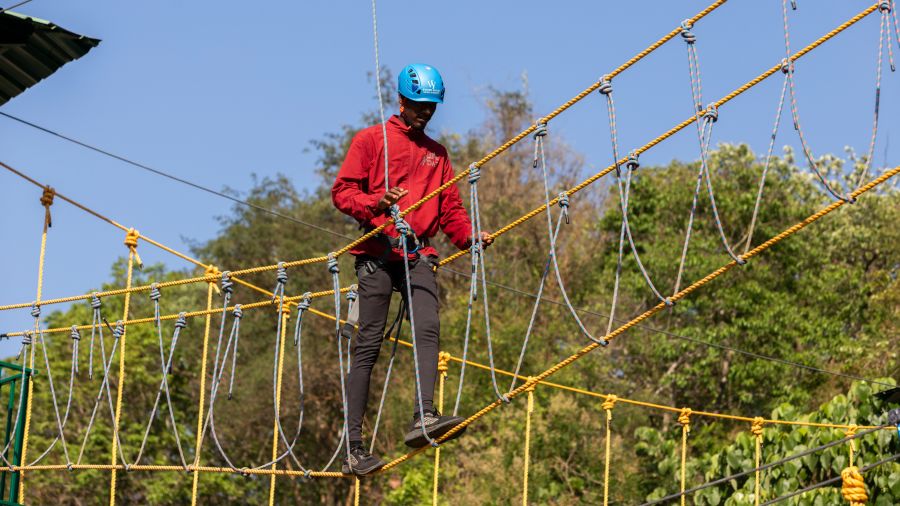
{"type": "Point", "coordinates": [486, 239]}
{"type": "Point", "coordinates": [391, 197]}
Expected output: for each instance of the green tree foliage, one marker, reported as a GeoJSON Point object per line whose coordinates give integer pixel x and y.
{"type": "Point", "coordinates": [828, 298]}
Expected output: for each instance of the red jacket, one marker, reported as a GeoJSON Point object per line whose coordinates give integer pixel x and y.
{"type": "Point", "coordinates": [418, 164]}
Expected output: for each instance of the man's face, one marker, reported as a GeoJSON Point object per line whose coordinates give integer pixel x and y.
{"type": "Point", "coordinates": [416, 114]}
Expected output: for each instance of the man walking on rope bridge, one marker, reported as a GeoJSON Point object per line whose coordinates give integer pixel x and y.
{"type": "Point", "coordinates": [416, 166]}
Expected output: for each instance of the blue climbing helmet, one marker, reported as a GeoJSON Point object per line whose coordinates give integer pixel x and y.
{"type": "Point", "coordinates": [421, 83]}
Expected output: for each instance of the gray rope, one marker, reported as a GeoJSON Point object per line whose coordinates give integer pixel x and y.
{"type": "Point", "coordinates": [165, 369]}
{"type": "Point", "coordinates": [335, 270]}
{"type": "Point", "coordinates": [95, 324]}
{"type": "Point", "coordinates": [534, 310]}
{"type": "Point", "coordinates": [606, 90]}
{"type": "Point", "coordinates": [404, 229]}
{"type": "Point", "coordinates": [104, 387]}
{"type": "Point", "coordinates": [710, 116]}
{"type": "Point", "coordinates": [475, 250]}
{"type": "Point", "coordinates": [795, 115]}
{"type": "Point", "coordinates": [478, 263]}
{"type": "Point", "coordinates": [235, 335]}
{"type": "Point", "coordinates": [59, 420]}
{"type": "Point", "coordinates": [883, 38]}
{"type": "Point", "coordinates": [76, 337]}
{"type": "Point", "coordinates": [380, 99]}
{"type": "Point", "coordinates": [762, 178]}
{"type": "Point", "coordinates": [281, 281]}
{"type": "Point", "coordinates": [770, 465]}
{"type": "Point", "coordinates": [631, 164]}
{"type": "Point", "coordinates": [563, 201]}
{"type": "Point", "coordinates": [214, 387]}
{"type": "Point", "coordinates": [397, 324]}
{"type": "Point", "coordinates": [704, 120]}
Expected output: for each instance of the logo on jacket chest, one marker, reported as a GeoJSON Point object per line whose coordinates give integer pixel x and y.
{"type": "Point", "coordinates": [430, 159]}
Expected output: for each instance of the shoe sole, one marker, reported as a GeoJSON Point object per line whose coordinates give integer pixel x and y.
{"type": "Point", "coordinates": [345, 469]}
{"type": "Point", "coordinates": [417, 439]}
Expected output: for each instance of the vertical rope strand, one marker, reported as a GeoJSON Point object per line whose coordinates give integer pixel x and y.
{"type": "Point", "coordinates": [37, 301]}
{"type": "Point", "coordinates": [443, 367]}
{"type": "Point", "coordinates": [608, 406]}
{"type": "Point", "coordinates": [528, 411]}
{"type": "Point", "coordinates": [120, 388]}
{"type": "Point", "coordinates": [283, 316]}
{"type": "Point", "coordinates": [685, 420]}
{"type": "Point", "coordinates": [757, 430]}
{"type": "Point", "coordinates": [202, 401]}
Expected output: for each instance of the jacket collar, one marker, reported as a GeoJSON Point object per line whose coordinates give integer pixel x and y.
{"type": "Point", "coordinates": [397, 123]}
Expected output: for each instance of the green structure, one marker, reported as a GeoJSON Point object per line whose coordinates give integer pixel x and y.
{"type": "Point", "coordinates": [13, 379]}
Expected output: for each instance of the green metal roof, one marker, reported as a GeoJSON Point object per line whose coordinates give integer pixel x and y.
{"type": "Point", "coordinates": [32, 49]}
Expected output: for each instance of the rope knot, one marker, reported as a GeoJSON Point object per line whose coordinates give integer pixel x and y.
{"type": "Point", "coordinates": [474, 173]}
{"type": "Point", "coordinates": [181, 321]}
{"type": "Point", "coordinates": [684, 418]}
{"type": "Point", "coordinates": [686, 32]}
{"type": "Point", "coordinates": [851, 430]}
{"type": "Point", "coordinates": [605, 87]}
{"type": "Point", "coordinates": [281, 276]}
{"type": "Point", "coordinates": [884, 6]}
{"type": "Point", "coordinates": [669, 302]}
{"type": "Point", "coordinates": [47, 201]}
{"type": "Point", "coordinates": [443, 362]}
{"type": "Point", "coordinates": [563, 200]}
{"type": "Point", "coordinates": [352, 293]}
{"type": "Point", "coordinates": [540, 129]}
{"type": "Point", "coordinates": [35, 310]}
{"type": "Point", "coordinates": [26, 338]}
{"type": "Point", "coordinates": [333, 264]}
{"type": "Point", "coordinates": [154, 292]}
{"type": "Point", "coordinates": [238, 311]}
{"type": "Point", "coordinates": [307, 474]}
{"type": "Point", "coordinates": [787, 66]}
{"type": "Point", "coordinates": [610, 402]}
{"type": "Point", "coordinates": [95, 301]}
{"type": "Point", "coordinates": [633, 163]}
{"type": "Point", "coordinates": [75, 334]}
{"type": "Point", "coordinates": [853, 487]}
{"type": "Point", "coordinates": [711, 113]}
{"type": "Point", "coordinates": [756, 428]}
{"type": "Point", "coordinates": [530, 383]}
{"type": "Point", "coordinates": [131, 241]}
{"type": "Point", "coordinates": [227, 284]}
{"type": "Point", "coordinates": [304, 303]}
{"type": "Point", "coordinates": [119, 331]}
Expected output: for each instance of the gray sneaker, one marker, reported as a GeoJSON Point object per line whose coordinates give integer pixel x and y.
{"type": "Point", "coordinates": [436, 426]}
{"type": "Point", "coordinates": [360, 462]}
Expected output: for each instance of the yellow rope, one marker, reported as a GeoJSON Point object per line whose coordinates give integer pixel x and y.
{"type": "Point", "coordinates": [201, 404]}
{"type": "Point", "coordinates": [853, 487]}
{"type": "Point", "coordinates": [120, 389]}
{"type": "Point", "coordinates": [757, 430]}
{"type": "Point", "coordinates": [608, 406]}
{"type": "Point", "coordinates": [851, 431]}
{"type": "Point", "coordinates": [355, 490]}
{"type": "Point", "coordinates": [685, 420]}
{"type": "Point", "coordinates": [528, 411]}
{"type": "Point", "coordinates": [442, 367]}
{"type": "Point", "coordinates": [37, 302]}
{"type": "Point", "coordinates": [285, 315]}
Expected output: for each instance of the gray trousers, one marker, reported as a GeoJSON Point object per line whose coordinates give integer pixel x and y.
{"type": "Point", "coordinates": [377, 282]}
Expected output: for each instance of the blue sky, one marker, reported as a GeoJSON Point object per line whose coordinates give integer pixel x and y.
{"type": "Point", "coordinates": [215, 92]}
